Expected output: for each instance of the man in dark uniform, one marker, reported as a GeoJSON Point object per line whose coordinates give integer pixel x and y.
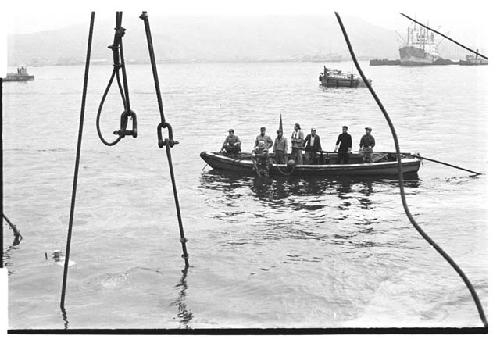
{"type": "Point", "coordinates": [313, 145]}
{"type": "Point", "coordinates": [366, 145]}
{"type": "Point", "coordinates": [345, 148]}
{"type": "Point", "coordinates": [232, 144]}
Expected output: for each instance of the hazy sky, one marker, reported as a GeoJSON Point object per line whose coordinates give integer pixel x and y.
{"type": "Point", "coordinates": [29, 16]}
{"type": "Point", "coordinates": [450, 16]}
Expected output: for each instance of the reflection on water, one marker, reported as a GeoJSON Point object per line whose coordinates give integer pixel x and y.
{"type": "Point", "coordinates": [64, 317]}
{"type": "Point", "coordinates": [275, 191]}
{"type": "Point", "coordinates": [350, 212]}
{"type": "Point", "coordinates": [184, 314]}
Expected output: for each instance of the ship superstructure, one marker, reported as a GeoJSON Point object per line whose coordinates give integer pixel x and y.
{"type": "Point", "coordinates": [420, 47]}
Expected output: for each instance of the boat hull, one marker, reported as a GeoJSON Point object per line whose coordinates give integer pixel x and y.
{"type": "Point", "coordinates": [334, 82]}
{"type": "Point", "coordinates": [412, 56]}
{"type": "Point", "coordinates": [244, 166]}
{"type": "Point", "coordinates": [19, 78]}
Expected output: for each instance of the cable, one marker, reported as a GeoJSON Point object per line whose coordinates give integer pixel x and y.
{"type": "Point", "coordinates": [444, 36]}
{"type": "Point", "coordinates": [77, 159]}
{"type": "Point", "coordinates": [168, 142]}
{"type": "Point", "coordinates": [400, 180]}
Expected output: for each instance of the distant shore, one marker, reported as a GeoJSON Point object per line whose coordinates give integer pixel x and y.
{"type": "Point", "coordinates": [184, 61]}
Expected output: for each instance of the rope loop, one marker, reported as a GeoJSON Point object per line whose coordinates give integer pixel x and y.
{"type": "Point", "coordinates": [119, 71]}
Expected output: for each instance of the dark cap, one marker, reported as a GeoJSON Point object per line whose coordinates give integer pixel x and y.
{"type": "Point", "coordinates": [345, 127]}
{"type": "Point", "coordinates": [262, 128]}
{"type": "Point", "coordinates": [368, 128]}
{"type": "Point", "coordinates": [230, 130]}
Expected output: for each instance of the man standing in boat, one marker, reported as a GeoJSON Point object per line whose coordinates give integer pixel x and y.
{"type": "Point", "coordinates": [266, 139]}
{"type": "Point", "coordinates": [260, 154]}
{"type": "Point", "coordinates": [313, 145]}
{"type": "Point", "coordinates": [297, 144]}
{"type": "Point", "coordinates": [366, 145]}
{"type": "Point", "coordinates": [345, 148]}
{"type": "Point", "coordinates": [232, 144]}
{"type": "Point", "coordinates": [280, 148]}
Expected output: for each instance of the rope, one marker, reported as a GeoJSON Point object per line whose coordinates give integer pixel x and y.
{"type": "Point", "coordinates": [149, 38]}
{"type": "Point", "coordinates": [118, 63]}
{"type": "Point", "coordinates": [446, 164]}
{"type": "Point", "coordinates": [401, 187]}
{"type": "Point", "coordinates": [17, 235]}
{"type": "Point", "coordinates": [77, 160]}
{"type": "Point", "coordinates": [99, 110]}
{"type": "Point", "coordinates": [444, 36]}
{"type": "Point", "coordinates": [178, 208]}
{"type": "Point", "coordinates": [168, 142]}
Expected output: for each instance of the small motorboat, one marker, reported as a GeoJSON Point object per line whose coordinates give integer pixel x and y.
{"type": "Point", "coordinates": [337, 78]}
{"type": "Point", "coordinates": [384, 164]}
{"type": "Point", "coordinates": [20, 75]}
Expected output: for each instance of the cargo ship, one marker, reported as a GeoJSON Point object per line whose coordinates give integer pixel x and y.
{"type": "Point", "coordinates": [420, 48]}
{"type": "Point", "coordinates": [20, 75]}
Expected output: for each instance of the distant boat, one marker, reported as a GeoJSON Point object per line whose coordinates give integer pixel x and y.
{"type": "Point", "coordinates": [473, 60]}
{"type": "Point", "coordinates": [20, 75]}
{"type": "Point", "coordinates": [337, 78]}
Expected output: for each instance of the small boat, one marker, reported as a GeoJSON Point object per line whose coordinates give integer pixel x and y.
{"type": "Point", "coordinates": [337, 78]}
{"type": "Point", "coordinates": [384, 164]}
{"type": "Point", "coordinates": [473, 60]}
{"type": "Point", "coordinates": [20, 75]}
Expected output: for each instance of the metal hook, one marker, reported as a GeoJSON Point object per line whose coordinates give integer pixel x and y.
{"type": "Point", "coordinates": [123, 131]}
{"type": "Point", "coordinates": [167, 141]}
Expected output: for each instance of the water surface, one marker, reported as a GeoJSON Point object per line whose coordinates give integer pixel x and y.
{"type": "Point", "coordinates": [264, 252]}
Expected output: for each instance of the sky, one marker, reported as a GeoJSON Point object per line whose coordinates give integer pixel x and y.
{"type": "Point", "coordinates": [29, 16]}
{"type": "Point", "coordinates": [450, 17]}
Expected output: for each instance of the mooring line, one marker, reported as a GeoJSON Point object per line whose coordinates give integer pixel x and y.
{"type": "Point", "coordinates": [401, 187]}
{"type": "Point", "coordinates": [444, 36]}
{"type": "Point", "coordinates": [447, 164]}
{"type": "Point", "coordinates": [167, 142]}
{"type": "Point", "coordinates": [77, 159]}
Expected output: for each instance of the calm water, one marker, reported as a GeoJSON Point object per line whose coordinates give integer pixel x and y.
{"type": "Point", "coordinates": [264, 253]}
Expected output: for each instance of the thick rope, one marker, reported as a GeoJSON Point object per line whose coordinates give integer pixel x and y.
{"type": "Point", "coordinates": [118, 63]}
{"type": "Point", "coordinates": [401, 187]}
{"type": "Point", "coordinates": [99, 111]}
{"type": "Point", "coordinates": [168, 143]}
{"type": "Point", "coordinates": [446, 164]}
{"type": "Point", "coordinates": [444, 36]}
{"type": "Point", "coordinates": [77, 160]}
{"type": "Point", "coordinates": [177, 207]}
{"type": "Point", "coordinates": [149, 38]}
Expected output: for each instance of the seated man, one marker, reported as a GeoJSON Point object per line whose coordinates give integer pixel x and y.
{"type": "Point", "coordinates": [313, 146]}
{"type": "Point", "coordinates": [366, 145]}
{"type": "Point", "coordinates": [232, 144]}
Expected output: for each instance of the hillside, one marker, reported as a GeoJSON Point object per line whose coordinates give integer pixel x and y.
{"type": "Point", "coordinates": [212, 39]}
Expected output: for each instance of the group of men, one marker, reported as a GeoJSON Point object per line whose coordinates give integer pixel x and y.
{"type": "Point", "coordinates": [310, 144]}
